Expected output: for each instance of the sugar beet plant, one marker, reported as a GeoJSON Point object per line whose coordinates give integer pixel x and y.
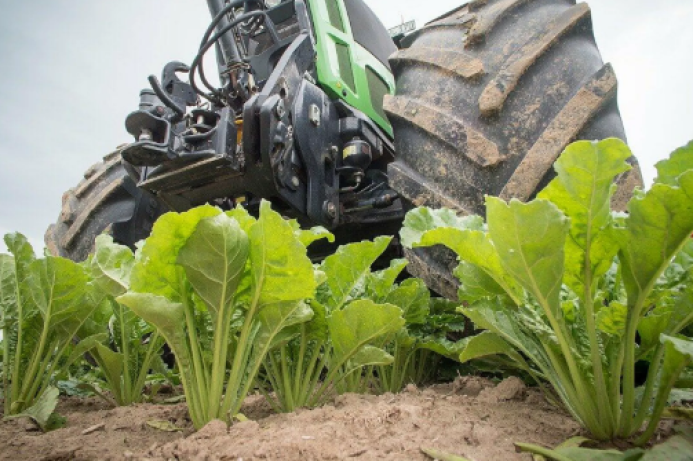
{"type": "Point", "coordinates": [125, 347]}
{"type": "Point", "coordinates": [575, 294]}
{"type": "Point", "coordinates": [338, 348]}
{"type": "Point", "coordinates": [43, 303]}
{"type": "Point", "coordinates": [223, 289]}
{"type": "Point", "coordinates": [419, 346]}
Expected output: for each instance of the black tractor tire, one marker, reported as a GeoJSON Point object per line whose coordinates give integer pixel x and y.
{"type": "Point", "coordinates": [107, 200]}
{"type": "Point", "coordinates": [487, 98]}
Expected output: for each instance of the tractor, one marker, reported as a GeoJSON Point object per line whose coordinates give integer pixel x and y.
{"type": "Point", "coordinates": [320, 111]}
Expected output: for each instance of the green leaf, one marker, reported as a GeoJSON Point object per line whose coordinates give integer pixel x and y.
{"type": "Point", "coordinates": [111, 266]}
{"type": "Point", "coordinates": [422, 220]}
{"type": "Point", "coordinates": [659, 225]}
{"type": "Point", "coordinates": [576, 441]}
{"type": "Point", "coordinates": [584, 184]}
{"type": "Point", "coordinates": [530, 240]}
{"type": "Point", "coordinates": [280, 267]}
{"type": "Point", "coordinates": [680, 161]}
{"type": "Point", "coordinates": [475, 248]}
{"type": "Point", "coordinates": [155, 270]}
{"type": "Point", "coordinates": [581, 454]}
{"type": "Point", "coordinates": [652, 326]}
{"type": "Point", "coordinates": [583, 190]}
{"type": "Point", "coordinates": [369, 356]}
{"type": "Point", "coordinates": [359, 324]}
{"type": "Point", "coordinates": [84, 346]}
{"type": "Point", "coordinates": [310, 236]}
{"type": "Point", "coordinates": [678, 354]}
{"type": "Point", "coordinates": [165, 426]}
{"type": "Point", "coordinates": [242, 217]}
{"type": "Point", "coordinates": [379, 284]}
{"type": "Point", "coordinates": [277, 321]}
{"type": "Point", "coordinates": [347, 269]}
{"type": "Point", "coordinates": [22, 251]}
{"type": "Point", "coordinates": [475, 284]}
{"type": "Point", "coordinates": [612, 319]}
{"type": "Point", "coordinates": [59, 289]}
{"type": "Point", "coordinates": [442, 346]}
{"type": "Point", "coordinates": [486, 344]}
{"type": "Point", "coordinates": [167, 316]}
{"type": "Point", "coordinates": [496, 318]}
{"type": "Point", "coordinates": [317, 327]}
{"type": "Point", "coordinates": [676, 448]}
{"type": "Point", "coordinates": [8, 311]}
{"type": "Point", "coordinates": [42, 410]}
{"type": "Point", "coordinates": [680, 350]}
{"type": "Point", "coordinates": [442, 456]}
{"type": "Point", "coordinates": [112, 366]}
{"type": "Point", "coordinates": [414, 298]}
{"type": "Point", "coordinates": [214, 259]}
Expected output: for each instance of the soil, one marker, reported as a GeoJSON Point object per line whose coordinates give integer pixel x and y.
{"type": "Point", "coordinates": [471, 417]}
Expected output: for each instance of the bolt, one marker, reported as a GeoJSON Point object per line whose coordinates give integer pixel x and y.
{"type": "Point", "coordinates": [330, 209]}
{"type": "Point", "coordinates": [280, 109]}
{"type": "Point", "coordinates": [295, 181]}
{"type": "Point", "coordinates": [314, 115]}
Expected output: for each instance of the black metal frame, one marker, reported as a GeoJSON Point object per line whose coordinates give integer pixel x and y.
{"type": "Point", "coordinates": [295, 138]}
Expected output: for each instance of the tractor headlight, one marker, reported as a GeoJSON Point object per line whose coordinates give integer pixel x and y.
{"type": "Point", "coordinates": [272, 3]}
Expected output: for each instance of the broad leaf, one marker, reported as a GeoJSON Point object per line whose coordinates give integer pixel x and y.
{"type": "Point", "coordinates": [277, 321]}
{"type": "Point", "coordinates": [155, 270]}
{"type": "Point", "coordinates": [486, 344]}
{"type": "Point", "coordinates": [368, 356]}
{"type": "Point", "coordinates": [677, 448]}
{"type": "Point", "coordinates": [59, 289]}
{"type": "Point", "coordinates": [612, 319]}
{"type": "Point", "coordinates": [22, 251]}
{"type": "Point", "coordinates": [242, 217]}
{"type": "Point", "coordinates": [414, 298]}
{"type": "Point", "coordinates": [476, 284]}
{"type": "Point", "coordinates": [112, 366]}
{"type": "Point", "coordinates": [280, 267]}
{"type": "Point", "coordinates": [583, 191]}
{"type": "Point", "coordinates": [379, 284]}
{"type": "Point", "coordinates": [475, 247]}
{"type": "Point", "coordinates": [84, 346]}
{"type": "Point", "coordinates": [347, 269]}
{"type": "Point", "coordinates": [423, 220]}
{"type": "Point", "coordinates": [359, 324]}
{"type": "Point", "coordinates": [167, 316]}
{"type": "Point", "coordinates": [659, 225]}
{"type": "Point", "coordinates": [316, 329]}
{"type": "Point", "coordinates": [42, 410]}
{"type": "Point", "coordinates": [309, 236]}
{"type": "Point", "coordinates": [111, 266]}
{"type": "Point", "coordinates": [8, 292]}
{"type": "Point", "coordinates": [530, 241]}
{"type": "Point", "coordinates": [214, 259]}
{"type": "Point", "coordinates": [680, 161]}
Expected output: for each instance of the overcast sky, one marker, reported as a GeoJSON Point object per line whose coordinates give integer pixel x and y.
{"type": "Point", "coordinates": [72, 71]}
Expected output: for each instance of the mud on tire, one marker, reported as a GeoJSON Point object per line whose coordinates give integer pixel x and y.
{"type": "Point", "coordinates": [106, 200]}
{"type": "Point", "coordinates": [487, 99]}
